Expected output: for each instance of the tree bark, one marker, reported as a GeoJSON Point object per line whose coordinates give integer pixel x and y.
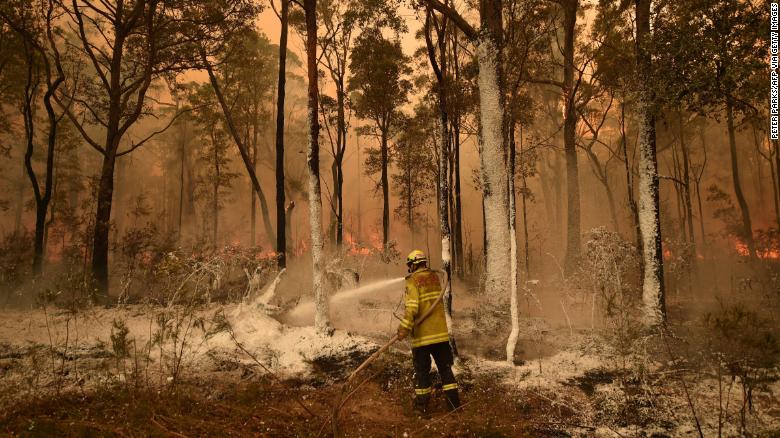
{"type": "Point", "coordinates": [42, 197]}
{"type": "Point", "coordinates": [492, 156]}
{"type": "Point", "coordinates": [630, 181]}
{"type": "Point", "coordinates": [182, 166]}
{"type": "Point", "coordinates": [458, 208]}
{"type": "Point", "coordinates": [440, 71]}
{"type": "Point", "coordinates": [215, 194]}
{"type": "Point", "coordinates": [28, 108]}
{"type": "Point", "coordinates": [493, 171]}
{"type": "Point", "coordinates": [511, 342]}
{"type": "Point", "coordinates": [747, 226]}
{"type": "Point", "coordinates": [385, 189]}
{"type": "Point", "coordinates": [19, 200]}
{"type": "Point", "coordinates": [687, 190]}
{"type": "Point", "coordinates": [341, 147]}
{"type": "Point", "coordinates": [321, 320]}
{"type": "Point", "coordinates": [281, 230]}
{"type": "Point", "coordinates": [569, 124]}
{"type": "Point", "coordinates": [458, 219]}
{"type": "Point", "coordinates": [526, 256]}
{"type": "Point", "coordinates": [653, 290]}
{"type": "Point", "coordinates": [103, 221]}
{"type": "Point", "coordinates": [253, 204]}
{"type": "Point", "coordinates": [698, 192]}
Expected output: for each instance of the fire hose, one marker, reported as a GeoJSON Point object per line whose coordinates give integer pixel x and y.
{"type": "Point", "coordinates": [344, 396]}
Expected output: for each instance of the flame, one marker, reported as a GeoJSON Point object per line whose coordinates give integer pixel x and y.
{"type": "Point", "coordinates": [742, 248]}
{"type": "Point", "coordinates": [376, 240]}
{"type": "Point", "coordinates": [353, 247]}
{"type": "Point", "coordinates": [267, 254]}
{"type": "Point", "coordinates": [763, 254]}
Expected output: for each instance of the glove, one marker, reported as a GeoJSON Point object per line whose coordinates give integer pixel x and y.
{"type": "Point", "coordinates": [402, 333]}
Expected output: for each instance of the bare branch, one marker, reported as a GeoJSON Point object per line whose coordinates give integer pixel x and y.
{"type": "Point", "coordinates": [155, 133]}
{"type": "Point", "coordinates": [453, 15]}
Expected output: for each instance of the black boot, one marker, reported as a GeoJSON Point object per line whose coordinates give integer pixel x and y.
{"type": "Point", "coordinates": [453, 401]}
{"type": "Point", "coordinates": [421, 404]}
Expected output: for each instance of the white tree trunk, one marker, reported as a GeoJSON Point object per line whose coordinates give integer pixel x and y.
{"type": "Point", "coordinates": [321, 322]}
{"type": "Point", "coordinates": [446, 253]}
{"type": "Point", "coordinates": [649, 215]}
{"type": "Point", "coordinates": [493, 172]}
{"type": "Point", "coordinates": [650, 229]}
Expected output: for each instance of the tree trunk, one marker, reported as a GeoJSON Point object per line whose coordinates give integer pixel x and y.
{"type": "Point", "coordinates": [687, 190]}
{"type": "Point", "coordinates": [182, 166]}
{"type": "Point", "coordinates": [30, 90]}
{"type": "Point", "coordinates": [321, 321]}
{"type": "Point", "coordinates": [513, 298]}
{"type": "Point", "coordinates": [19, 200]}
{"type": "Point", "coordinates": [281, 230]}
{"type": "Point", "coordinates": [252, 194]}
{"type": "Point", "coordinates": [775, 194]}
{"type": "Point", "coordinates": [630, 181]}
{"type": "Point", "coordinates": [253, 218]}
{"type": "Point", "coordinates": [747, 226]}
{"type": "Point", "coordinates": [492, 157]}
{"type": "Point", "coordinates": [42, 199]}
{"type": "Point", "coordinates": [440, 71]}
{"type": "Point", "coordinates": [758, 177]}
{"type": "Point", "coordinates": [678, 191]}
{"type": "Point", "coordinates": [341, 146]}
{"type": "Point", "coordinates": [569, 125]}
{"type": "Point", "coordinates": [242, 149]}
{"type": "Point", "coordinates": [612, 210]}
{"type": "Point", "coordinates": [103, 221]}
{"type": "Point", "coordinates": [698, 193]}
{"type": "Point", "coordinates": [653, 292]}
{"type": "Point", "coordinates": [524, 188]}
{"type": "Point", "coordinates": [215, 194]}
{"type": "Point", "coordinates": [458, 219]}
{"type": "Point", "coordinates": [288, 226]}
{"type": "Point", "coordinates": [385, 190]}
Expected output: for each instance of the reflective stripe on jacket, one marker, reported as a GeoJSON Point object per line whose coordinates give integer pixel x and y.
{"type": "Point", "coordinates": [422, 289]}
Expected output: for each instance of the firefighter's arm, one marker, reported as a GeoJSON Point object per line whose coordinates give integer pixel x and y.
{"type": "Point", "coordinates": [411, 307]}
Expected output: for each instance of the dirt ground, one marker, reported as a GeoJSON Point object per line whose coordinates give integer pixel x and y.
{"type": "Point", "coordinates": [115, 372]}
{"type": "Point", "coordinates": [229, 405]}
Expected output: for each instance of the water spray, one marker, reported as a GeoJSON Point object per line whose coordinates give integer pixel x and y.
{"type": "Point", "coordinates": [303, 310]}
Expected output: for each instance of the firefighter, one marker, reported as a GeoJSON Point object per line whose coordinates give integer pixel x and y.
{"type": "Point", "coordinates": [429, 338]}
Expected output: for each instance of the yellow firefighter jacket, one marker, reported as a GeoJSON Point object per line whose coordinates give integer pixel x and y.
{"type": "Point", "coordinates": [422, 289]}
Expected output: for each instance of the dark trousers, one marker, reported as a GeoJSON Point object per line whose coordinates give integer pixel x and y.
{"type": "Point", "coordinates": [442, 354]}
